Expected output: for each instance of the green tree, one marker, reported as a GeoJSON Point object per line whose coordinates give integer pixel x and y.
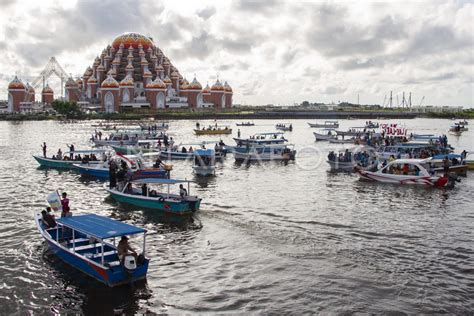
{"type": "Point", "coordinates": [69, 109]}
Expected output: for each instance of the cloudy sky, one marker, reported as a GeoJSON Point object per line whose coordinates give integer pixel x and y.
{"type": "Point", "coordinates": [270, 51]}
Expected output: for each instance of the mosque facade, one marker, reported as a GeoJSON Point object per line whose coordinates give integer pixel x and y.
{"type": "Point", "coordinates": [131, 72]}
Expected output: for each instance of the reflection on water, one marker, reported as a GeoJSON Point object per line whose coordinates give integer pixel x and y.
{"type": "Point", "coordinates": [270, 237]}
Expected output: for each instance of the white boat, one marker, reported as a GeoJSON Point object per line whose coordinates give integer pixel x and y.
{"type": "Point", "coordinates": [265, 152]}
{"type": "Point", "coordinates": [204, 162]}
{"type": "Point", "coordinates": [261, 139]}
{"type": "Point", "coordinates": [330, 134]}
{"type": "Point", "coordinates": [326, 124]}
{"type": "Point", "coordinates": [353, 131]}
{"type": "Point", "coordinates": [405, 171]}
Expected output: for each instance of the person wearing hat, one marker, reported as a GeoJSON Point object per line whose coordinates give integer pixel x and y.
{"type": "Point", "coordinates": [124, 249]}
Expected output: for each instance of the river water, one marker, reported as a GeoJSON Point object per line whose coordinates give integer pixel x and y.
{"type": "Point", "coordinates": [269, 238]}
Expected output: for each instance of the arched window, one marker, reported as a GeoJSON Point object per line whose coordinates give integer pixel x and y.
{"type": "Point", "coordinates": [10, 102]}
{"type": "Point", "coordinates": [109, 102]}
{"type": "Point", "coordinates": [160, 100]}
{"type": "Point", "coordinates": [126, 96]}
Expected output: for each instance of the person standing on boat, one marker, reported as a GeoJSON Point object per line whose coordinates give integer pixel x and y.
{"type": "Point", "coordinates": [44, 149]}
{"type": "Point", "coordinates": [60, 154]}
{"type": "Point", "coordinates": [112, 174]}
{"type": "Point", "coordinates": [65, 206]}
{"type": "Point", "coordinates": [71, 151]}
{"type": "Point", "coordinates": [238, 133]}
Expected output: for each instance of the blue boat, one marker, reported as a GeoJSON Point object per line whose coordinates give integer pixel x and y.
{"type": "Point", "coordinates": [141, 193]}
{"type": "Point", "coordinates": [66, 164]}
{"type": "Point", "coordinates": [101, 171]}
{"type": "Point", "coordinates": [88, 243]}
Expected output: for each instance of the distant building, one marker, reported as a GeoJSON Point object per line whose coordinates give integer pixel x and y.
{"type": "Point", "coordinates": [132, 72]}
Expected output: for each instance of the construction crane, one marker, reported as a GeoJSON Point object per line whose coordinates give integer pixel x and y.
{"type": "Point", "coordinates": [52, 67]}
{"type": "Point", "coordinates": [421, 100]}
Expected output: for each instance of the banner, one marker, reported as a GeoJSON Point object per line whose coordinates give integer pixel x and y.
{"type": "Point", "coordinates": [54, 201]}
{"type": "Point", "coordinates": [393, 130]}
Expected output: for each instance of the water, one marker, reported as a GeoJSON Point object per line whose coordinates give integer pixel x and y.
{"type": "Point", "coordinates": [269, 238]}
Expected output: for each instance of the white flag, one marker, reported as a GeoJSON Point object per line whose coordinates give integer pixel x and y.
{"type": "Point", "coordinates": [54, 201]}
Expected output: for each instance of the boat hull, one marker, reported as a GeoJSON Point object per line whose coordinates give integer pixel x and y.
{"type": "Point", "coordinates": [125, 150]}
{"type": "Point", "coordinates": [213, 132]}
{"type": "Point", "coordinates": [322, 137]}
{"type": "Point", "coordinates": [59, 164]}
{"type": "Point", "coordinates": [98, 142]}
{"type": "Point", "coordinates": [433, 181]}
{"type": "Point", "coordinates": [204, 171]}
{"type": "Point", "coordinates": [176, 155]}
{"type": "Point", "coordinates": [182, 207]}
{"type": "Point", "coordinates": [316, 125]}
{"type": "Point", "coordinates": [103, 173]}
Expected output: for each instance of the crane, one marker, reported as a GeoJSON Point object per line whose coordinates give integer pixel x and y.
{"type": "Point", "coordinates": [52, 67]}
{"type": "Point", "coordinates": [421, 100]}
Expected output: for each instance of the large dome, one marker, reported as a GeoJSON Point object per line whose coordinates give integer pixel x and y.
{"type": "Point", "coordinates": [132, 39]}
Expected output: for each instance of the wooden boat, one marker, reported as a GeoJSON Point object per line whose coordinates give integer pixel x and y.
{"type": "Point", "coordinates": [65, 163]}
{"type": "Point", "coordinates": [171, 154]}
{"type": "Point", "coordinates": [214, 131]}
{"type": "Point", "coordinates": [417, 174]}
{"type": "Point", "coordinates": [265, 153]}
{"type": "Point", "coordinates": [326, 124]}
{"type": "Point", "coordinates": [159, 126]}
{"type": "Point", "coordinates": [360, 156]}
{"type": "Point", "coordinates": [88, 243]}
{"type": "Point", "coordinates": [353, 131]}
{"type": "Point", "coordinates": [325, 137]}
{"type": "Point", "coordinates": [284, 127]}
{"type": "Point", "coordinates": [204, 162]}
{"type": "Point", "coordinates": [245, 124]}
{"type": "Point", "coordinates": [163, 201]}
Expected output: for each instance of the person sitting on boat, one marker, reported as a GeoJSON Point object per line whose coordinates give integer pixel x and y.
{"type": "Point", "coordinates": [124, 249]}
{"type": "Point", "coordinates": [60, 154]}
{"type": "Point", "coordinates": [158, 163]}
{"type": "Point", "coordinates": [183, 150]}
{"type": "Point", "coordinates": [191, 149]}
{"type": "Point", "coordinates": [47, 218]}
{"type": "Point", "coordinates": [65, 206]}
{"type": "Point", "coordinates": [182, 191]}
{"type": "Point", "coordinates": [129, 189]}
{"type": "Point", "coordinates": [144, 189]}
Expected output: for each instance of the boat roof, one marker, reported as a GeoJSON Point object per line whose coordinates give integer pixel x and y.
{"type": "Point", "coordinates": [204, 152]}
{"type": "Point", "coordinates": [99, 226]}
{"type": "Point", "coordinates": [159, 181]}
{"type": "Point", "coordinates": [331, 121]}
{"type": "Point", "coordinates": [274, 133]}
{"type": "Point", "coordinates": [410, 161]}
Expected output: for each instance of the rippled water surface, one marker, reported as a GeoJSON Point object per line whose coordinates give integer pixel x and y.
{"type": "Point", "coordinates": [269, 238]}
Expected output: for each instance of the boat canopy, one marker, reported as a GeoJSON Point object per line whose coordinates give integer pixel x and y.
{"type": "Point", "coordinates": [204, 152]}
{"type": "Point", "coordinates": [100, 227]}
{"type": "Point", "coordinates": [275, 133]}
{"type": "Point", "coordinates": [159, 181]}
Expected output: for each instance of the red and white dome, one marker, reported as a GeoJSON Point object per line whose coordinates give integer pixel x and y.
{"type": "Point", "coordinates": [217, 86]}
{"type": "Point", "coordinates": [92, 80]}
{"type": "Point", "coordinates": [167, 81]}
{"type": "Point", "coordinates": [127, 81]}
{"type": "Point", "coordinates": [206, 89]}
{"type": "Point", "coordinates": [16, 84]}
{"type": "Point", "coordinates": [70, 83]}
{"type": "Point", "coordinates": [132, 39]}
{"type": "Point", "coordinates": [109, 82]}
{"type": "Point", "coordinates": [156, 84]}
{"type": "Point", "coordinates": [195, 85]}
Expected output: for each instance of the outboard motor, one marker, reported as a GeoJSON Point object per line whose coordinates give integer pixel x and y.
{"type": "Point", "coordinates": [130, 263]}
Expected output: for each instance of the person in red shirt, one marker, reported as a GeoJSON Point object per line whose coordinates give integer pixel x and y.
{"type": "Point", "coordinates": [65, 205]}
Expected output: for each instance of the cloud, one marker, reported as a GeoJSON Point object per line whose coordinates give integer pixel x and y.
{"type": "Point", "coordinates": [332, 90]}
{"type": "Point", "coordinates": [206, 13]}
{"type": "Point", "coordinates": [257, 6]}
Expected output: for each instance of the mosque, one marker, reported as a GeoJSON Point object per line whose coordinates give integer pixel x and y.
{"type": "Point", "coordinates": [131, 72]}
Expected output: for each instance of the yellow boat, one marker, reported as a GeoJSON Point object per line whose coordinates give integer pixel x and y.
{"type": "Point", "coordinates": [214, 131]}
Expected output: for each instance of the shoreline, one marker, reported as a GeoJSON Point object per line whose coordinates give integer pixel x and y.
{"type": "Point", "coordinates": [245, 115]}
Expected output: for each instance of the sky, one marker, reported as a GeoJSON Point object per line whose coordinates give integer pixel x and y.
{"type": "Point", "coordinates": [277, 52]}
